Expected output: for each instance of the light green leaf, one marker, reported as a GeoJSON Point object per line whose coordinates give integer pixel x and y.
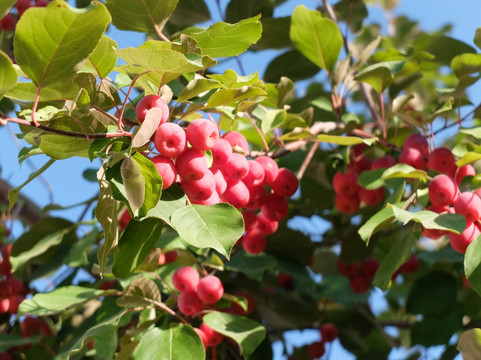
{"type": "Point", "coordinates": [396, 256]}
{"type": "Point", "coordinates": [78, 254]}
{"type": "Point", "coordinates": [178, 341]}
{"type": "Point", "coordinates": [52, 43]}
{"type": "Point", "coordinates": [8, 75]}
{"type": "Point", "coordinates": [244, 331]}
{"type": "Point", "coordinates": [468, 158]}
{"type": "Point", "coordinates": [229, 96]}
{"type": "Point", "coordinates": [217, 226]}
{"type": "Point", "coordinates": [373, 179]}
{"type": "Point", "coordinates": [58, 300]}
{"type": "Point", "coordinates": [103, 59]}
{"type": "Point", "coordinates": [376, 223]}
{"type": "Point", "coordinates": [472, 264]}
{"type": "Point", "coordinates": [134, 183]}
{"type": "Point", "coordinates": [135, 243]}
{"type": "Point", "coordinates": [430, 220]}
{"type": "Point", "coordinates": [466, 64]}
{"type": "Point", "coordinates": [469, 343]}
{"type": "Point", "coordinates": [26, 152]}
{"type": "Point", "coordinates": [197, 87]}
{"type": "Point", "coordinates": [222, 39]}
{"type": "Point", "coordinates": [5, 7]}
{"type": "Point", "coordinates": [317, 38]}
{"type": "Point", "coordinates": [230, 79]}
{"type": "Point", "coordinates": [345, 140]}
{"type": "Point", "coordinates": [380, 75]}
{"type": "Point", "coordinates": [172, 199]}
{"type": "Point", "coordinates": [474, 131]}
{"type": "Point", "coordinates": [272, 119]}
{"type": "Point", "coordinates": [106, 214]}
{"type": "Point", "coordinates": [65, 90]}
{"type": "Point", "coordinates": [141, 15]}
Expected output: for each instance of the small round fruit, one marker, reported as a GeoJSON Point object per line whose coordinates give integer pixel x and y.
{"type": "Point", "coordinates": [316, 349]}
{"type": "Point", "coordinates": [345, 183]}
{"type": "Point", "coordinates": [358, 284]}
{"type": "Point", "coordinates": [347, 204]}
{"type": "Point", "coordinates": [469, 205]}
{"type": "Point", "coordinates": [166, 169]}
{"type": "Point", "coordinates": [329, 332]}
{"type": "Point", "coordinates": [442, 160]}
{"type": "Point", "coordinates": [202, 134]}
{"type": "Point", "coordinates": [285, 183]}
{"type": "Point", "coordinates": [236, 139]}
{"type": "Point", "coordinates": [275, 207]}
{"type": "Point", "coordinates": [270, 169]}
{"type": "Point", "coordinates": [213, 338]}
{"type": "Point", "coordinates": [210, 289]}
{"type": "Point", "coordinates": [185, 279]}
{"type": "Point", "coordinates": [442, 190]}
{"type": "Point", "coordinates": [191, 164]}
{"type": "Point", "coordinates": [189, 303]}
{"type": "Point", "coordinates": [254, 242]}
{"type": "Point", "coordinates": [148, 102]}
{"type": "Point", "coordinates": [170, 140]}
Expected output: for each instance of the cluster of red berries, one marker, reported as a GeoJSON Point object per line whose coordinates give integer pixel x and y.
{"type": "Point", "coordinates": [12, 291]}
{"type": "Point", "coordinates": [31, 325]}
{"type": "Point", "coordinates": [329, 333]}
{"type": "Point", "coordinates": [8, 22]}
{"type": "Point", "coordinates": [249, 184]}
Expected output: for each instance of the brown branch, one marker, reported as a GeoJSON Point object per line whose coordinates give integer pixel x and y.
{"type": "Point", "coordinates": [66, 133]}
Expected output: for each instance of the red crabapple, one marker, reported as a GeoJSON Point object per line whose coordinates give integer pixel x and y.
{"type": "Point", "coordinates": [265, 225]}
{"type": "Point", "coordinates": [166, 169]}
{"type": "Point", "coordinates": [412, 157]}
{"type": "Point", "coordinates": [347, 204]}
{"type": "Point", "coordinates": [185, 279]}
{"type": "Point", "coordinates": [383, 162]}
{"type": "Point", "coordinates": [191, 164]}
{"type": "Point", "coordinates": [257, 196]}
{"type": "Point", "coordinates": [369, 267]}
{"type": "Point", "coordinates": [189, 303]}
{"type": "Point", "coordinates": [148, 102]}
{"type": "Point", "coordinates": [316, 350]}
{"type": "Point", "coordinates": [442, 190]}
{"type": "Point", "coordinates": [210, 289]}
{"type": "Point", "coordinates": [418, 142]}
{"type": "Point", "coordinates": [236, 168]}
{"type": "Point", "coordinates": [211, 200]}
{"type": "Point", "coordinates": [254, 242]}
{"type": "Point", "coordinates": [275, 207]}
{"type": "Point", "coordinates": [202, 336]}
{"type": "Point", "coordinates": [124, 219]}
{"type": "Point", "coordinates": [250, 219]}
{"type": "Point", "coordinates": [170, 140]}
{"type": "Point", "coordinates": [256, 174]}
{"type": "Point", "coordinates": [411, 265]}
{"type": "Point", "coordinates": [285, 183]}
{"type": "Point", "coordinates": [345, 183]}
{"type": "Point", "coordinates": [237, 139]}
{"type": "Point", "coordinates": [460, 242]}
{"type": "Point", "coordinates": [371, 197]}
{"type": "Point", "coordinates": [462, 171]}
{"type": "Point", "coordinates": [213, 338]}
{"type": "Point", "coordinates": [22, 6]}
{"type": "Point", "coordinates": [358, 284]}
{"type": "Point", "coordinates": [220, 181]}
{"type": "Point", "coordinates": [270, 169]}
{"type": "Point", "coordinates": [468, 205]}
{"type": "Point", "coordinates": [348, 269]}
{"type": "Point", "coordinates": [221, 153]}
{"type": "Point", "coordinates": [236, 194]}
{"type": "Point", "coordinates": [199, 190]}
{"type": "Point", "coordinates": [329, 332]}
{"type": "Point", "coordinates": [202, 134]}
{"type": "Point", "coordinates": [8, 22]}
{"type": "Point", "coordinates": [41, 3]}
{"type": "Point", "coordinates": [442, 160]}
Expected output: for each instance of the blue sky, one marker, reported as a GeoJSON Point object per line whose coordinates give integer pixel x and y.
{"type": "Point", "coordinates": [63, 182]}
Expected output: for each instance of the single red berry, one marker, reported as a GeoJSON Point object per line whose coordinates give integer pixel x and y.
{"type": "Point", "coordinates": [418, 142]}
{"type": "Point", "coordinates": [412, 157]}
{"type": "Point", "coordinates": [463, 171]}
{"type": "Point", "coordinates": [348, 269]}
{"type": "Point", "coordinates": [166, 169]}
{"type": "Point", "coordinates": [202, 336]}
{"type": "Point", "coordinates": [8, 22]}
{"type": "Point", "coordinates": [210, 289]}
{"type": "Point", "coordinates": [285, 183]}
{"type": "Point", "coordinates": [213, 337]}
{"type": "Point", "coordinates": [371, 197]}
{"type": "Point", "coordinates": [359, 284]}
{"type": "Point", "coordinates": [460, 242]}
{"type": "Point", "coordinates": [22, 6]}
{"type": "Point", "coordinates": [254, 242]}
{"type": "Point", "coordinates": [191, 164]}
{"type": "Point", "coordinates": [265, 225]}
{"type": "Point", "coordinates": [41, 3]}
{"type": "Point", "coordinates": [468, 205]}
{"type": "Point", "coordinates": [170, 140]}
{"type": "Point", "coordinates": [250, 219]}
{"type": "Point", "coordinates": [256, 174]}
{"type": "Point", "coordinates": [275, 207]}
{"type": "Point", "coordinates": [124, 219]}
{"type": "Point", "coordinates": [29, 326]}
{"type": "Point", "coordinates": [236, 139]}
{"type": "Point", "coordinates": [236, 168]}
{"type": "Point", "coordinates": [442, 160]}
{"type": "Point", "coordinates": [369, 268]}
{"type": "Point", "coordinates": [270, 169]}
{"type": "Point", "coordinates": [185, 279]}
{"type": "Point", "coordinates": [329, 332]}
{"type": "Point", "coordinates": [220, 181]}
{"type": "Point", "coordinates": [170, 256]}
{"type": "Point", "coordinates": [316, 350]}
{"type": "Point", "coordinates": [347, 204]}
{"type": "Point", "coordinates": [442, 190]}
{"type": "Point", "coordinates": [257, 197]}
{"type": "Point", "coordinates": [148, 102]}
{"type": "Point", "coordinates": [383, 162]}
{"type": "Point", "coordinates": [189, 303]}
{"type": "Point", "coordinates": [202, 134]}
{"type": "Point", "coordinates": [221, 153]}
{"type": "Point", "coordinates": [345, 183]}
{"type": "Point", "coordinates": [411, 265]}
{"type": "Point", "coordinates": [236, 194]}
{"type": "Point", "coordinates": [199, 190]}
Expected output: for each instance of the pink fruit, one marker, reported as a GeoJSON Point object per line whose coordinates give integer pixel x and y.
{"type": "Point", "coordinates": [22, 6]}
{"type": "Point", "coordinates": [418, 142]}
{"type": "Point", "coordinates": [199, 190]}
{"type": "Point", "coordinates": [468, 205]}
{"type": "Point", "coordinates": [275, 207]}
{"type": "Point", "coordinates": [189, 303]}
{"type": "Point", "coordinates": [371, 197]}
{"type": "Point", "coordinates": [256, 174]}
{"type": "Point", "coordinates": [442, 160]}
{"type": "Point", "coordinates": [462, 171]}
{"type": "Point", "coordinates": [270, 169]}
{"type": "Point", "coordinates": [285, 183]}
{"type": "Point", "coordinates": [213, 338]}
{"type": "Point", "coordinates": [170, 140]}
{"type": "Point", "coordinates": [191, 164]}
{"type": "Point", "coordinates": [210, 289]}
{"type": "Point", "coordinates": [254, 242]}
{"type": "Point", "coordinates": [202, 336]}
{"type": "Point", "coordinates": [220, 181]}
{"type": "Point", "coordinates": [265, 225]}
{"type": "Point", "coordinates": [250, 219]}
{"type": "Point", "coordinates": [411, 265]}
{"type": "Point", "coordinates": [460, 242]}
{"type": "Point", "coordinates": [412, 157]}
{"type": "Point", "coordinates": [358, 284]}
{"type": "Point", "coordinates": [236, 168]}
{"type": "Point", "coordinates": [345, 183]}
{"type": "Point", "coordinates": [383, 162]}
{"type": "Point", "coordinates": [221, 153]}
{"type": "Point", "coordinates": [236, 194]}
{"type": "Point", "coordinates": [236, 139]}
{"type": "Point", "coordinates": [185, 279]}
{"type": "Point", "coordinates": [148, 102]}
{"type": "Point", "coordinates": [442, 190]}
{"type": "Point", "coordinates": [202, 134]}
{"type": "Point", "coordinates": [329, 332]}
{"type": "Point", "coordinates": [166, 169]}
{"type": "Point", "coordinates": [347, 204]}
{"type": "Point", "coordinates": [369, 268]}
{"type": "Point", "coordinates": [257, 197]}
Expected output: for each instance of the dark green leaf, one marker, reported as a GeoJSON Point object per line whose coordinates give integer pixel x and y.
{"type": "Point", "coordinates": [190, 12]}
{"type": "Point", "coordinates": [242, 9]}
{"type": "Point", "coordinates": [472, 264]}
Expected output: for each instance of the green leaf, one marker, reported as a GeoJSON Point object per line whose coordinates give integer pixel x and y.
{"type": "Point", "coordinates": [140, 293]}
{"type": "Point", "coordinates": [178, 341]}
{"type": "Point", "coordinates": [469, 343]}
{"type": "Point", "coordinates": [272, 119]}
{"type": "Point", "coordinates": [58, 300]}
{"type": "Point", "coordinates": [134, 183]}
{"type": "Point", "coordinates": [217, 226]}
{"type": "Point", "coordinates": [190, 12]}
{"type": "Point", "coordinates": [466, 64]}
{"type": "Point", "coordinates": [103, 59]}
{"type": "Point", "coordinates": [5, 7]}
{"type": "Point", "coordinates": [317, 38]}
{"type": "Point", "coordinates": [230, 79]}
{"type": "Point", "coordinates": [242, 9]}
{"type": "Point", "coordinates": [172, 199]}
{"type": "Point", "coordinates": [376, 223]}
{"type": "Point", "coordinates": [380, 75]}
{"type": "Point", "coordinates": [148, 128]}
{"type": "Point", "coordinates": [474, 131]}
{"type": "Point", "coordinates": [477, 37]}
{"type": "Point", "coordinates": [222, 39]}
{"type": "Point", "coordinates": [77, 255]}
{"type": "Point", "coordinates": [143, 16]}
{"type": "Point", "coordinates": [373, 179]}
{"type": "Point", "coordinates": [345, 140]}
{"type": "Point", "coordinates": [244, 331]}
{"type": "Point", "coordinates": [51, 43]}
{"type": "Point", "coordinates": [103, 326]}
{"type": "Point", "coordinates": [291, 64]}
{"type": "Point", "coordinates": [275, 33]}
{"type": "Point", "coordinates": [66, 90]}
{"type": "Point", "coordinates": [8, 75]}
{"type": "Point", "coordinates": [8, 341]}
{"type": "Point", "coordinates": [229, 96]}
{"type": "Point", "coordinates": [430, 220]}
{"type": "Point", "coordinates": [396, 256]}
{"type": "Point", "coordinates": [468, 158]}
{"type": "Point", "coordinates": [472, 264]}
{"type": "Point", "coordinates": [135, 243]}
{"type": "Point", "coordinates": [437, 285]}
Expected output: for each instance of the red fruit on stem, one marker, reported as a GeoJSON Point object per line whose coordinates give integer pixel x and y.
{"type": "Point", "coordinates": [285, 183]}
{"type": "Point", "coordinates": [170, 140]}
{"type": "Point", "coordinates": [202, 336]}
{"type": "Point", "coordinates": [191, 164]}
{"type": "Point", "coordinates": [148, 102]}
{"type": "Point", "coordinates": [460, 242]}
{"type": "Point", "coordinates": [345, 183]}
{"type": "Point", "coordinates": [316, 349]}
{"type": "Point", "coordinates": [213, 338]}
{"type": "Point", "coordinates": [237, 139]}
{"type": "Point", "coordinates": [254, 242]}
{"type": "Point", "coordinates": [383, 162]}
{"type": "Point", "coordinates": [442, 190]}
{"type": "Point", "coordinates": [250, 219]}
{"type": "Point", "coordinates": [236, 194]}
{"type": "Point", "coordinates": [347, 204]}
{"type": "Point", "coordinates": [166, 169]}
{"type": "Point", "coordinates": [15, 301]}
{"type": "Point", "coordinates": [185, 279]}
{"type": "Point", "coordinates": [369, 268]}
{"type": "Point", "coordinates": [371, 197]}
{"type": "Point", "coordinates": [275, 207]}
{"type": "Point", "coordinates": [257, 197]}
{"type": "Point", "coordinates": [348, 269]}
{"type": "Point", "coordinates": [358, 284]}
{"type": "Point", "coordinates": [4, 305]}
{"type": "Point", "coordinates": [256, 174]}
{"type": "Point", "coordinates": [468, 205]}
{"type": "Point", "coordinates": [199, 190]}
{"type": "Point", "coordinates": [329, 332]}
{"type": "Point", "coordinates": [418, 142]}
{"type": "Point", "coordinates": [210, 289]}
{"type": "Point", "coordinates": [8, 22]}
{"type": "Point", "coordinates": [189, 303]}
{"type": "Point", "coordinates": [442, 160]}
{"type": "Point", "coordinates": [412, 157]}
{"type": "Point", "coordinates": [124, 219]}
{"type": "Point", "coordinates": [221, 153]}
{"type": "Point", "coordinates": [236, 168]}
{"type": "Point", "coordinates": [202, 134]}
{"type": "Point", "coordinates": [220, 181]}
{"type": "Point", "coordinates": [270, 169]}
{"type": "Point", "coordinates": [463, 171]}
{"type": "Point", "coordinates": [411, 265]}
{"type": "Point", "coordinates": [265, 225]}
